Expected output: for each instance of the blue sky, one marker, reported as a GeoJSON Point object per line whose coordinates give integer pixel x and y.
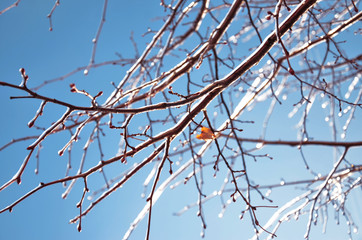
{"type": "Point", "coordinates": [27, 42]}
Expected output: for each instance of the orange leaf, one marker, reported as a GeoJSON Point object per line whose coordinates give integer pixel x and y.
{"type": "Point", "coordinates": [206, 134]}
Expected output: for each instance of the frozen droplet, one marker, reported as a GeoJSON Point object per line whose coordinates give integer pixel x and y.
{"type": "Point", "coordinates": [344, 128]}
{"type": "Point", "coordinates": [282, 183]}
{"type": "Point", "coordinates": [256, 82]}
{"type": "Point", "coordinates": [355, 230]}
{"type": "Point", "coordinates": [226, 180]}
{"type": "Point", "coordinates": [267, 194]}
{"type": "Point", "coordinates": [352, 87]}
{"type": "Point", "coordinates": [94, 40]}
{"type": "Point", "coordinates": [347, 109]}
{"type": "Point", "coordinates": [340, 114]}
{"type": "Point", "coordinates": [325, 193]}
{"type": "Point", "coordinates": [143, 195]}
{"type": "Point", "coordinates": [174, 148]}
{"type": "Point", "coordinates": [220, 215]}
{"type": "Point", "coordinates": [241, 89]}
{"type": "Point", "coordinates": [343, 135]}
{"type": "Point", "coordinates": [326, 119]}
{"type": "Point", "coordinates": [259, 145]}
{"type": "Point", "coordinates": [233, 39]}
{"type": "Point", "coordinates": [85, 72]}
{"type": "Point", "coordinates": [215, 114]}
{"type": "Point", "coordinates": [228, 201]}
{"type": "Point", "coordinates": [324, 105]}
{"type": "Point", "coordinates": [214, 193]}
{"type": "Point", "coordinates": [284, 97]}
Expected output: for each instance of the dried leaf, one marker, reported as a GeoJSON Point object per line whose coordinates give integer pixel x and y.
{"type": "Point", "coordinates": [206, 134]}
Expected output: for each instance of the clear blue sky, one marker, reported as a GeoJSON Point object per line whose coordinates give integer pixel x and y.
{"type": "Point", "coordinates": [27, 42]}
